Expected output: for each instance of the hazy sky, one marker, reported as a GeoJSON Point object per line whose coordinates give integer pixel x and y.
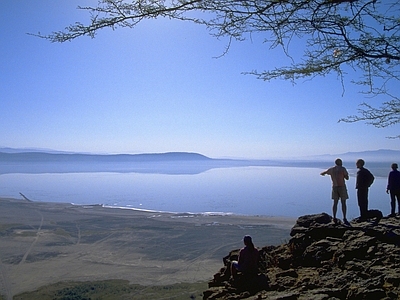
{"type": "Point", "coordinates": [159, 88]}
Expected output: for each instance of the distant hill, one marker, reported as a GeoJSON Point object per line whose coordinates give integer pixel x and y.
{"type": "Point", "coordinates": [20, 150]}
{"type": "Point", "coordinates": [381, 155]}
{"type": "Point", "coordinates": [160, 163]}
{"type": "Point", "coordinates": [377, 155]}
{"type": "Point", "coordinates": [40, 154]}
{"type": "Point", "coordinates": [76, 157]}
{"type": "Point", "coordinates": [36, 161]}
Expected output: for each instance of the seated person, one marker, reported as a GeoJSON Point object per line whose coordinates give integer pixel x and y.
{"type": "Point", "coordinates": [247, 262]}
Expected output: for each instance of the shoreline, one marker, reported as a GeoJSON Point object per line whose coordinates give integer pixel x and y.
{"type": "Point", "coordinates": [66, 242]}
{"type": "Point", "coordinates": [277, 220]}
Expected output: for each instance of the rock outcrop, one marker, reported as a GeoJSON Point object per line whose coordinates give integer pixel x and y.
{"type": "Point", "coordinates": [322, 260]}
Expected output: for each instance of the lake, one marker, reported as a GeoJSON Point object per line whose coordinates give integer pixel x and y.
{"type": "Point", "coordinates": [248, 190]}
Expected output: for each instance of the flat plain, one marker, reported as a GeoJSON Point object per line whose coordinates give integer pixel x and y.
{"type": "Point", "coordinates": [45, 243]}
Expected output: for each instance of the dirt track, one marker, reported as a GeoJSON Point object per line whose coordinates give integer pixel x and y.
{"type": "Point", "coordinates": [44, 243]}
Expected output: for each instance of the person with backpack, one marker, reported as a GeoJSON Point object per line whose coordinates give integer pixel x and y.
{"type": "Point", "coordinates": [363, 181]}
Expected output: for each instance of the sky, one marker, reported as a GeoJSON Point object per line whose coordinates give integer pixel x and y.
{"type": "Point", "coordinates": [160, 87]}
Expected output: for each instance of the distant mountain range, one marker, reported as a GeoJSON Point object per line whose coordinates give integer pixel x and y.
{"type": "Point", "coordinates": [37, 156]}
{"type": "Point", "coordinates": [44, 150]}
{"type": "Point", "coordinates": [48, 161]}
{"type": "Point", "coordinates": [61, 162]}
{"type": "Point", "coordinates": [381, 155]}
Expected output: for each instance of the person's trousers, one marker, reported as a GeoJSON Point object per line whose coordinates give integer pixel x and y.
{"type": "Point", "coordinates": [362, 197]}
{"type": "Point", "coordinates": [393, 196]}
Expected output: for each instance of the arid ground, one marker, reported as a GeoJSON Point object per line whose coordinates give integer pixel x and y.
{"type": "Point", "coordinates": [44, 243]}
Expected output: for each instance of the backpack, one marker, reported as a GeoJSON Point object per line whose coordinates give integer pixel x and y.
{"type": "Point", "coordinates": [370, 179]}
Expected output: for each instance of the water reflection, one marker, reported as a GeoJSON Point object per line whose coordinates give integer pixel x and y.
{"type": "Point", "coordinates": [249, 190]}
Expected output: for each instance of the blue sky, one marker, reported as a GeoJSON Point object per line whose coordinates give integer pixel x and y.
{"type": "Point", "coordinates": [159, 88]}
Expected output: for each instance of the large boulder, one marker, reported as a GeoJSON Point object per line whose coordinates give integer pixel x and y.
{"type": "Point", "coordinates": [322, 260]}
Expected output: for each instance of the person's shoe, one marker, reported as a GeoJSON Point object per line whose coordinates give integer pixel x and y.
{"type": "Point", "coordinates": [335, 221]}
{"type": "Point", "coordinates": [392, 215]}
{"type": "Point", "coordinates": [346, 222]}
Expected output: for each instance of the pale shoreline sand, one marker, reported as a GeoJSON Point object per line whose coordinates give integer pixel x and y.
{"type": "Point", "coordinates": [61, 241]}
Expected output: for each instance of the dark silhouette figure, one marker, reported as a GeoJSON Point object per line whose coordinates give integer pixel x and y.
{"type": "Point", "coordinates": [363, 182]}
{"type": "Point", "coordinates": [393, 187]}
{"type": "Point", "coordinates": [338, 175]}
{"type": "Point", "coordinates": [247, 262]}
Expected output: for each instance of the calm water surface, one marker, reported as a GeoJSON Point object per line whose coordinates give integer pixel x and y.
{"type": "Point", "coordinates": [270, 191]}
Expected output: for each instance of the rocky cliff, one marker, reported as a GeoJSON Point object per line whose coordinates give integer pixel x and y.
{"type": "Point", "coordinates": [322, 260]}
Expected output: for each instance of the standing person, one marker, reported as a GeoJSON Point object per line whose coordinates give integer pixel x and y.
{"type": "Point", "coordinates": [338, 175]}
{"type": "Point", "coordinates": [247, 262]}
{"type": "Point", "coordinates": [363, 182]}
{"type": "Point", "coordinates": [394, 188]}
